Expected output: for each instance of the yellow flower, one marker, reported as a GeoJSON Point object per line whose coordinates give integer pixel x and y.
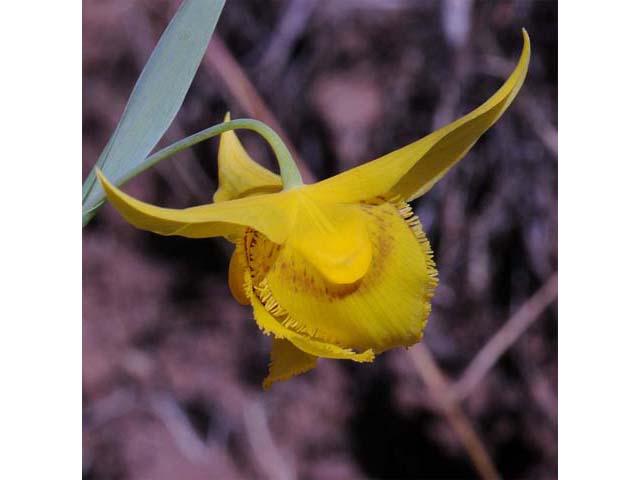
{"type": "Point", "coordinates": [337, 269]}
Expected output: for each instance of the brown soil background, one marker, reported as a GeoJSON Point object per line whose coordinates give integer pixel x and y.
{"type": "Point", "coordinates": [172, 366]}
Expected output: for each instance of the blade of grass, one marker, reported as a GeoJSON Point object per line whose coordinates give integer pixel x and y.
{"type": "Point", "coordinates": [156, 97]}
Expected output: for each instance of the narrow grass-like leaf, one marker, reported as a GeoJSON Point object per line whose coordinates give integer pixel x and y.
{"type": "Point", "coordinates": [156, 97]}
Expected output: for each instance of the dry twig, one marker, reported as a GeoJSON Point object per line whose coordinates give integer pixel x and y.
{"type": "Point", "coordinates": [167, 409]}
{"type": "Point", "coordinates": [435, 380]}
{"type": "Point", "coordinates": [291, 26]}
{"type": "Point", "coordinates": [265, 451]}
{"type": "Point", "coordinates": [505, 337]}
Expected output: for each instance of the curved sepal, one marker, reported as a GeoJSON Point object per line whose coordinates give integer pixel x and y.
{"type": "Point", "coordinates": [270, 214]}
{"type": "Point", "coordinates": [412, 170]}
{"type": "Point", "coordinates": [238, 174]}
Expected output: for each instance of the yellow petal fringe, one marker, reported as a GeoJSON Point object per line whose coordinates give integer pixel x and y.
{"type": "Point", "coordinates": [236, 278]}
{"type": "Point", "coordinates": [271, 326]}
{"type": "Point", "coordinates": [388, 307]}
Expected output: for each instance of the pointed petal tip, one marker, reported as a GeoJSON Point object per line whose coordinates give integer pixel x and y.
{"type": "Point", "coordinates": [412, 170]}
{"type": "Point", "coordinates": [227, 116]}
{"type": "Point", "coordinates": [526, 49]}
{"type": "Point", "coordinates": [106, 185]}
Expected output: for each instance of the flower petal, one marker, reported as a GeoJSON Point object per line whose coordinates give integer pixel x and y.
{"type": "Point", "coordinates": [287, 361]}
{"type": "Point", "coordinates": [387, 307]}
{"type": "Point", "coordinates": [236, 278]}
{"type": "Point", "coordinates": [411, 171]}
{"type": "Point", "coordinates": [238, 175]}
{"type": "Point", "coordinates": [333, 238]}
{"type": "Point", "coordinates": [271, 214]}
{"type": "Point", "coordinates": [319, 348]}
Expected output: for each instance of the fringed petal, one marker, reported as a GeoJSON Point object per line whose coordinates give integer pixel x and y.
{"type": "Point", "coordinates": [387, 307]}
{"type": "Point", "coordinates": [271, 325]}
{"type": "Point", "coordinates": [287, 361]}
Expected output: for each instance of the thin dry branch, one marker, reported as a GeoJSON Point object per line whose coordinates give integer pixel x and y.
{"type": "Point", "coordinates": [267, 454]}
{"type": "Point", "coordinates": [505, 337]}
{"type": "Point", "coordinates": [438, 387]}
{"type": "Point", "coordinates": [167, 409]}
{"type": "Point", "coordinates": [292, 24]}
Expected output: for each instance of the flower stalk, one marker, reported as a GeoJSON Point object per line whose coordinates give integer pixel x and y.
{"type": "Point", "coordinates": [288, 170]}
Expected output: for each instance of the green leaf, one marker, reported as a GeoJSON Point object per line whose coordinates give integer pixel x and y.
{"type": "Point", "coordinates": [156, 98]}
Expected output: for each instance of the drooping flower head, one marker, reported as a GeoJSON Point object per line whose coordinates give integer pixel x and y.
{"type": "Point", "coordinates": [337, 269]}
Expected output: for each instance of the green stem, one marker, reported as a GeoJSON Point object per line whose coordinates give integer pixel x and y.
{"type": "Point", "coordinates": [288, 170]}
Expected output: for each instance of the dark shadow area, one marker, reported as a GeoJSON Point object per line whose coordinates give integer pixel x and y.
{"type": "Point", "coordinates": [389, 443]}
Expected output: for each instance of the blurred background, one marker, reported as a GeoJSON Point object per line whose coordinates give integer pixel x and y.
{"type": "Point", "coordinates": [172, 366]}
